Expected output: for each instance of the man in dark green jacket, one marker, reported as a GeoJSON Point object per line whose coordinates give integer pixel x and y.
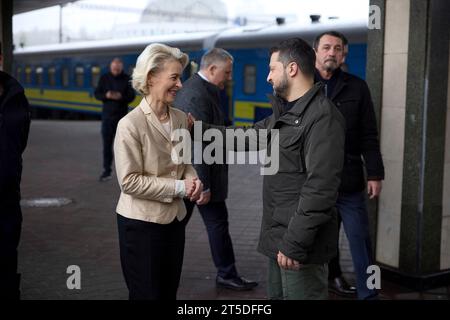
{"type": "Point", "coordinates": [299, 224]}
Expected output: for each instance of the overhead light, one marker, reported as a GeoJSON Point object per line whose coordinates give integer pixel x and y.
{"type": "Point", "coordinates": [280, 20]}
{"type": "Point", "coordinates": [315, 18]}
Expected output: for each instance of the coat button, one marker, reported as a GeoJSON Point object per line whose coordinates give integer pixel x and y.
{"type": "Point", "coordinates": [173, 173]}
{"type": "Point", "coordinates": [296, 121]}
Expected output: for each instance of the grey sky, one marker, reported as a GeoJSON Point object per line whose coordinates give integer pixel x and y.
{"type": "Point", "coordinates": [93, 20]}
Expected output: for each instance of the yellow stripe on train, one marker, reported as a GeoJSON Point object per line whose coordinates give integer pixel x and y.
{"type": "Point", "coordinates": [59, 105]}
{"type": "Point", "coordinates": [60, 96]}
{"type": "Point", "coordinates": [246, 109]}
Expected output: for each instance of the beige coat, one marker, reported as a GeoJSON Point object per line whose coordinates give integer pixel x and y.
{"type": "Point", "coordinates": [145, 170]}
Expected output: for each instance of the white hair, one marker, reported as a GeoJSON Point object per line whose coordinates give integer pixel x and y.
{"type": "Point", "coordinates": [215, 55]}
{"type": "Point", "coordinates": [151, 61]}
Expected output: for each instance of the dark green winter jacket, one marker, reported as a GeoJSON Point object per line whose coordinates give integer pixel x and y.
{"type": "Point", "coordinates": [299, 214]}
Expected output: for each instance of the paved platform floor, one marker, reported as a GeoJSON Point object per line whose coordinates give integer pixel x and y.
{"type": "Point", "coordinates": [63, 159]}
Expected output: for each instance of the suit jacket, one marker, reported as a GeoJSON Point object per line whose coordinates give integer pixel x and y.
{"type": "Point", "coordinates": [202, 100]}
{"type": "Point", "coordinates": [145, 170]}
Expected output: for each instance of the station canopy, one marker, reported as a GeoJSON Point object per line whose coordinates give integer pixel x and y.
{"type": "Point", "coordinates": [21, 6]}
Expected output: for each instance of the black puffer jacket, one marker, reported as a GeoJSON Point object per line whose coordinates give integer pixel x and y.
{"type": "Point", "coordinates": [14, 129]}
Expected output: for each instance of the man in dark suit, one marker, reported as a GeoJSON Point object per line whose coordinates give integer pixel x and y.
{"type": "Point", "coordinates": [14, 128]}
{"type": "Point", "coordinates": [200, 96]}
{"type": "Point", "coordinates": [351, 96]}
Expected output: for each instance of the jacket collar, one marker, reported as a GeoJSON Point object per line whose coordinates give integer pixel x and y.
{"type": "Point", "coordinates": [211, 88]}
{"type": "Point", "coordinates": [341, 83]}
{"type": "Point", "coordinates": [119, 76]}
{"type": "Point", "coordinates": [175, 122]}
{"type": "Point", "coordinates": [300, 106]}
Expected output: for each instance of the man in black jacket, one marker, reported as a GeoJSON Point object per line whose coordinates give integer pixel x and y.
{"type": "Point", "coordinates": [14, 129]}
{"type": "Point", "coordinates": [200, 96]}
{"type": "Point", "coordinates": [115, 90]}
{"type": "Point", "coordinates": [352, 97]}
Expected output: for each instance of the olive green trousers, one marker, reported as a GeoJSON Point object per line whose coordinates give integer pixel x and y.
{"type": "Point", "coordinates": [308, 283]}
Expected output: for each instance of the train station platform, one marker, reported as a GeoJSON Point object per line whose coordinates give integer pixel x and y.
{"type": "Point", "coordinates": [63, 160]}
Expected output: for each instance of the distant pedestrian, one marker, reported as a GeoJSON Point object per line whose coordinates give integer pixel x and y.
{"type": "Point", "coordinates": [14, 129]}
{"type": "Point", "coordinates": [115, 90]}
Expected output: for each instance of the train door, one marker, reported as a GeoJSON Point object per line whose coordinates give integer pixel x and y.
{"type": "Point", "coordinates": [249, 101]}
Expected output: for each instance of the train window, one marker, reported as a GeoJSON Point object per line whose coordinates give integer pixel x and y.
{"type": "Point", "coordinates": [193, 68]}
{"type": "Point", "coordinates": [65, 77]}
{"type": "Point", "coordinates": [39, 76]}
{"type": "Point", "coordinates": [52, 76]}
{"type": "Point", "coordinates": [79, 76]}
{"type": "Point", "coordinates": [28, 75]}
{"type": "Point", "coordinates": [19, 74]}
{"type": "Point", "coordinates": [95, 71]}
{"type": "Point", "coordinates": [250, 79]}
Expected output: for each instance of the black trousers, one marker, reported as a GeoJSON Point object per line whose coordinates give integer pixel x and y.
{"type": "Point", "coordinates": [151, 255]}
{"type": "Point", "coordinates": [10, 229]}
{"type": "Point", "coordinates": [109, 128]}
{"type": "Point", "coordinates": [215, 217]}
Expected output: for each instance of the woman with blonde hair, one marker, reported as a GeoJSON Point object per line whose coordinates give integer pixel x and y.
{"type": "Point", "coordinates": [151, 212]}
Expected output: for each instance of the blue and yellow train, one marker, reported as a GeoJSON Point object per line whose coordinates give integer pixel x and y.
{"type": "Point", "coordinates": [64, 76]}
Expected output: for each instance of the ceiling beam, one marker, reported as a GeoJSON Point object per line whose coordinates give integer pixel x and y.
{"type": "Point", "coordinates": [21, 6]}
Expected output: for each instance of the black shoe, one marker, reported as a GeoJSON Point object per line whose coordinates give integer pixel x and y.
{"type": "Point", "coordinates": [10, 289]}
{"type": "Point", "coordinates": [105, 176]}
{"type": "Point", "coordinates": [238, 283]}
{"type": "Point", "coordinates": [340, 286]}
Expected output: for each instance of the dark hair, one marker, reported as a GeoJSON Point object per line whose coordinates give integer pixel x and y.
{"type": "Point", "coordinates": [330, 33]}
{"type": "Point", "coordinates": [117, 59]}
{"type": "Point", "coordinates": [299, 51]}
